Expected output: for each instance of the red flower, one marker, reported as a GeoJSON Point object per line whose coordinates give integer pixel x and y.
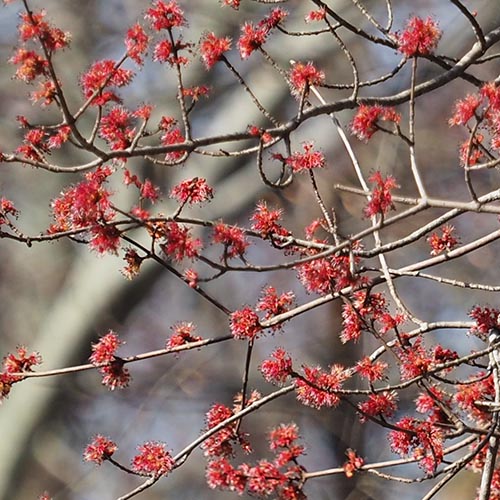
{"type": "Point", "coordinates": [278, 367]}
{"type": "Point", "coordinates": [104, 74]}
{"type": "Point", "coordinates": [20, 362]}
{"type": "Point", "coordinates": [486, 319]}
{"type": "Point", "coordinates": [136, 42]}
{"type": "Point", "coordinates": [101, 448]}
{"type": "Point", "coordinates": [415, 361]}
{"type": "Point", "coordinates": [470, 151]}
{"type": "Point", "coordinates": [251, 38]}
{"type": "Point", "coordinates": [149, 191]}
{"type": "Point", "coordinates": [183, 334]}
{"type": "Point", "coordinates": [153, 459]}
{"type": "Point", "coordinates": [172, 135]}
{"type": "Point", "coordinates": [370, 370]}
{"type": "Point", "coordinates": [444, 242]}
{"type": "Point", "coordinates": [221, 474]}
{"type": "Point", "coordinates": [420, 439]}
{"type": "Point", "coordinates": [178, 242]}
{"type": "Point", "coordinates": [479, 387]}
{"type": "Point", "coordinates": [265, 478]}
{"type": "Point", "coordinates": [465, 109]}
{"type": "Point", "coordinates": [244, 324]}
{"type": "Point", "coordinates": [364, 123]}
{"type": "Point", "coordinates": [233, 239]}
{"type": "Point", "coordinates": [115, 375]}
{"type": "Point", "coordinates": [191, 276]}
{"type": "Point", "coordinates": [105, 349]}
{"type": "Point", "coordinates": [316, 15]}
{"type": "Point", "coordinates": [354, 462]}
{"type": "Point", "coordinates": [212, 48]}
{"type": "Point", "coordinates": [420, 37]}
{"type": "Point", "coordinates": [266, 221]}
{"type": "Point", "coordinates": [134, 261]}
{"type": "Point", "coordinates": [283, 436]}
{"type": "Point", "coordinates": [34, 27]}
{"type": "Point", "coordinates": [235, 4]}
{"type": "Point", "coordinates": [196, 91]}
{"type": "Point", "coordinates": [7, 208]}
{"type": "Point", "coordinates": [46, 92]}
{"type": "Point", "coordinates": [30, 64]}
{"type": "Point", "coordinates": [307, 160]}
{"type": "Point", "coordinates": [273, 303]}
{"type": "Point", "coordinates": [165, 16]}
{"type": "Point", "coordinates": [195, 190]}
{"type": "Point", "coordinates": [221, 443]}
{"type": "Point", "coordinates": [326, 274]}
{"type": "Point", "coordinates": [303, 76]}
{"type": "Point", "coordinates": [115, 128]}
{"type": "Point", "coordinates": [163, 51]}
{"type": "Point", "coordinates": [381, 199]}
{"type": "Point", "coordinates": [317, 388]}
{"type": "Point", "coordinates": [381, 404]}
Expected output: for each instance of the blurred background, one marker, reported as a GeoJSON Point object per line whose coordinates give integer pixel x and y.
{"type": "Point", "coordinates": [58, 298]}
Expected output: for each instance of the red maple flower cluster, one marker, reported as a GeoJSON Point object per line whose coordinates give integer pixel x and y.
{"type": "Point", "coordinates": [172, 135]}
{"type": "Point", "coordinates": [279, 478]}
{"type": "Point", "coordinates": [315, 15]}
{"type": "Point", "coordinates": [165, 15]}
{"type": "Point", "coordinates": [254, 36]}
{"type": "Point", "coordinates": [419, 38]}
{"type": "Point", "coordinates": [177, 241]}
{"type": "Point", "coordinates": [422, 440]}
{"type": "Point", "coordinates": [353, 463]}
{"type": "Point", "coordinates": [480, 387]}
{"type": "Point", "coordinates": [443, 242]}
{"type": "Point", "coordinates": [183, 334]}
{"type": "Point", "coordinates": [153, 459]}
{"type": "Point", "coordinates": [274, 304]}
{"type": "Point", "coordinates": [307, 160]}
{"type": "Point", "coordinates": [381, 198]}
{"type": "Point", "coordinates": [362, 312]}
{"type": "Point", "coordinates": [233, 239]}
{"type": "Point", "coordinates": [100, 449]}
{"type": "Point", "coordinates": [486, 318]}
{"type": "Point", "coordinates": [87, 206]}
{"type": "Point", "coordinates": [31, 65]}
{"type": "Point", "coordinates": [382, 404]}
{"type": "Point", "coordinates": [235, 4]}
{"type": "Point", "coordinates": [367, 120]}
{"type": "Point", "coordinates": [318, 388]}
{"type": "Point", "coordinates": [244, 324]}
{"type": "Point", "coordinates": [102, 75]}
{"type": "Point", "coordinates": [7, 208]}
{"type": "Point", "coordinates": [111, 367]}
{"type": "Point", "coordinates": [192, 191]}
{"type": "Point", "coordinates": [278, 367]}
{"type": "Point", "coordinates": [432, 402]}
{"type": "Point", "coordinates": [485, 108]}
{"type": "Point", "coordinates": [212, 48]}
{"type": "Point", "coordinates": [116, 128]}
{"type": "Point", "coordinates": [134, 261]}
{"type": "Point", "coordinates": [371, 370]}
{"type": "Point", "coordinates": [326, 274]}
{"type": "Point", "coordinates": [136, 43]}
{"type": "Point", "coordinates": [266, 221]}
{"type": "Point", "coordinates": [303, 76]}
{"type": "Point", "coordinates": [13, 365]}
{"type": "Point", "coordinates": [33, 27]}
{"type": "Point", "coordinates": [221, 444]}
